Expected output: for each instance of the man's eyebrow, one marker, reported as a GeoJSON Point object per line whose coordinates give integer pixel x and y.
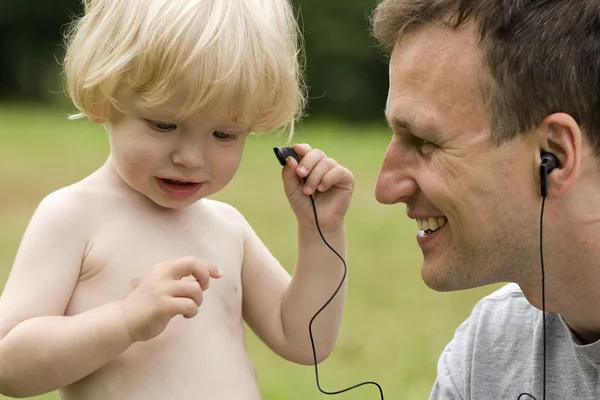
{"type": "Point", "coordinates": [405, 124]}
{"type": "Point", "coordinates": [410, 126]}
{"type": "Point", "coordinates": [401, 123]}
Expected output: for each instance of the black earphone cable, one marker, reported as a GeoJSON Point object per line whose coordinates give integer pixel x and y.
{"type": "Point", "coordinates": [322, 308]}
{"type": "Point", "coordinates": [546, 167]}
{"type": "Point", "coordinates": [543, 308]}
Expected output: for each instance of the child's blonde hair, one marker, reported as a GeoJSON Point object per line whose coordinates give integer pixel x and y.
{"type": "Point", "coordinates": [238, 58]}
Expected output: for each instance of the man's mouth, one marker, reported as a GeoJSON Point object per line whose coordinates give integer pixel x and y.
{"type": "Point", "coordinates": [431, 225]}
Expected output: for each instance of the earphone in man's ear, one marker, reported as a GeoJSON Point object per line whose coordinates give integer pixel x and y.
{"type": "Point", "coordinates": [549, 162]}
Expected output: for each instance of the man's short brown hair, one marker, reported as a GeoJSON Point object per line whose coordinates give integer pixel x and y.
{"type": "Point", "coordinates": [543, 55]}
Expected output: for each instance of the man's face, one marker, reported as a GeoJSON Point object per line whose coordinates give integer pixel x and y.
{"type": "Point", "coordinates": [476, 204]}
{"type": "Point", "coordinates": [175, 162]}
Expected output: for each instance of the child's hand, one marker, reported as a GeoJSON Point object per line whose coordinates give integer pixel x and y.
{"type": "Point", "coordinates": [330, 184]}
{"type": "Point", "coordinates": [163, 294]}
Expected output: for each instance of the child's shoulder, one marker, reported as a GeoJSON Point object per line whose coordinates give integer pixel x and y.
{"type": "Point", "coordinates": [223, 210]}
{"type": "Point", "coordinates": [63, 213]}
{"type": "Point", "coordinates": [222, 217]}
{"type": "Point", "coordinates": [73, 202]}
{"type": "Point", "coordinates": [68, 198]}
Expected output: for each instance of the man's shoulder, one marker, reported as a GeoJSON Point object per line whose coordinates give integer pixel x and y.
{"type": "Point", "coordinates": [505, 305]}
{"type": "Point", "coordinates": [510, 292]}
{"type": "Point", "coordinates": [501, 312]}
{"type": "Point", "coordinates": [502, 317]}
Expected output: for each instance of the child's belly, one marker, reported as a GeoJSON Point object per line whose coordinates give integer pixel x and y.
{"type": "Point", "coordinates": [201, 358]}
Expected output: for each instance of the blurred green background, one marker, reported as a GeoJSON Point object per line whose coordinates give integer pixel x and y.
{"type": "Point", "coordinates": [394, 327]}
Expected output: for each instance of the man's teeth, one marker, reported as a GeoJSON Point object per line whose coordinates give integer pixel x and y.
{"type": "Point", "coordinates": [431, 224]}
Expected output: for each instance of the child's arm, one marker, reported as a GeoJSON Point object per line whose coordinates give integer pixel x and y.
{"type": "Point", "coordinates": [278, 308]}
{"type": "Point", "coordinates": [40, 349]}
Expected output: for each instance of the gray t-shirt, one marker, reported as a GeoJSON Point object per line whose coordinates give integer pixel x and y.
{"type": "Point", "coordinates": [497, 353]}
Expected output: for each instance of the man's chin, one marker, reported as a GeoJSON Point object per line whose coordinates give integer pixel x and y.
{"type": "Point", "coordinates": [438, 285]}
{"type": "Point", "coordinates": [449, 277]}
{"type": "Point", "coordinates": [442, 277]}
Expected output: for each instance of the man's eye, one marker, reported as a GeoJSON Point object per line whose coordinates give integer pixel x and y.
{"type": "Point", "coordinates": [224, 136]}
{"type": "Point", "coordinates": [162, 126]}
{"type": "Point", "coordinates": [423, 146]}
{"type": "Point", "coordinates": [420, 143]}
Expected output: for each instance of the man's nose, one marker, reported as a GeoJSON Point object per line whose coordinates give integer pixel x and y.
{"type": "Point", "coordinates": [395, 183]}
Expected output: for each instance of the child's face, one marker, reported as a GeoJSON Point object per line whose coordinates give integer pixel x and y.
{"type": "Point", "coordinates": [152, 151]}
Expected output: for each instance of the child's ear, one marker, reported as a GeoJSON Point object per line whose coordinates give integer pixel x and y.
{"type": "Point", "coordinates": [95, 119]}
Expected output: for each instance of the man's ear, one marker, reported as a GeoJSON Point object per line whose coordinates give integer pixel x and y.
{"type": "Point", "coordinates": [561, 135]}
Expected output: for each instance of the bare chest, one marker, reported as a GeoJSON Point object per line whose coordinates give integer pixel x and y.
{"type": "Point", "coordinates": [126, 245]}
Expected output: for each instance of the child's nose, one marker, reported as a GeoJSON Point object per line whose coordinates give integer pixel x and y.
{"type": "Point", "coordinates": [190, 154]}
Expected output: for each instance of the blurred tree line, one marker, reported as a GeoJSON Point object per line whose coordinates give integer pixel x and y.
{"type": "Point", "coordinates": [346, 73]}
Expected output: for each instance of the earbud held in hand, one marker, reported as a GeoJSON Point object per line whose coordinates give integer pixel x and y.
{"type": "Point", "coordinates": [282, 154]}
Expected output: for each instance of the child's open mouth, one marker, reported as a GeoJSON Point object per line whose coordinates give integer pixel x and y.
{"type": "Point", "coordinates": [178, 189]}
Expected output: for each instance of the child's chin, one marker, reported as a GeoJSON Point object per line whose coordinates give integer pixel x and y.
{"type": "Point", "coordinates": [171, 203]}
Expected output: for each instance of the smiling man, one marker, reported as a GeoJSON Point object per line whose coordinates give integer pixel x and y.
{"type": "Point", "coordinates": [479, 91]}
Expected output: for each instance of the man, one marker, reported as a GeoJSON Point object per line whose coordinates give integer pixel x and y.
{"type": "Point", "coordinates": [479, 91]}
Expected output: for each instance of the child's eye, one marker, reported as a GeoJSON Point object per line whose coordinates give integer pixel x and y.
{"type": "Point", "coordinates": [162, 126]}
{"type": "Point", "coordinates": [224, 136]}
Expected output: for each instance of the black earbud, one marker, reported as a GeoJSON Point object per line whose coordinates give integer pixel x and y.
{"type": "Point", "coordinates": [549, 162]}
{"type": "Point", "coordinates": [282, 153]}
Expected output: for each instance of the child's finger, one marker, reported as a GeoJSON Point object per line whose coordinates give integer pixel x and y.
{"type": "Point", "coordinates": [291, 181]}
{"type": "Point", "coordinates": [291, 163]}
{"type": "Point", "coordinates": [317, 173]}
{"type": "Point", "coordinates": [302, 149]}
{"type": "Point", "coordinates": [339, 177]}
{"type": "Point", "coordinates": [308, 162]}
{"type": "Point", "coordinates": [214, 271]}
{"type": "Point", "coordinates": [188, 288]}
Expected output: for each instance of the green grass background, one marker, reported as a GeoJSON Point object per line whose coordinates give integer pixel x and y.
{"type": "Point", "coordinates": [394, 327]}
